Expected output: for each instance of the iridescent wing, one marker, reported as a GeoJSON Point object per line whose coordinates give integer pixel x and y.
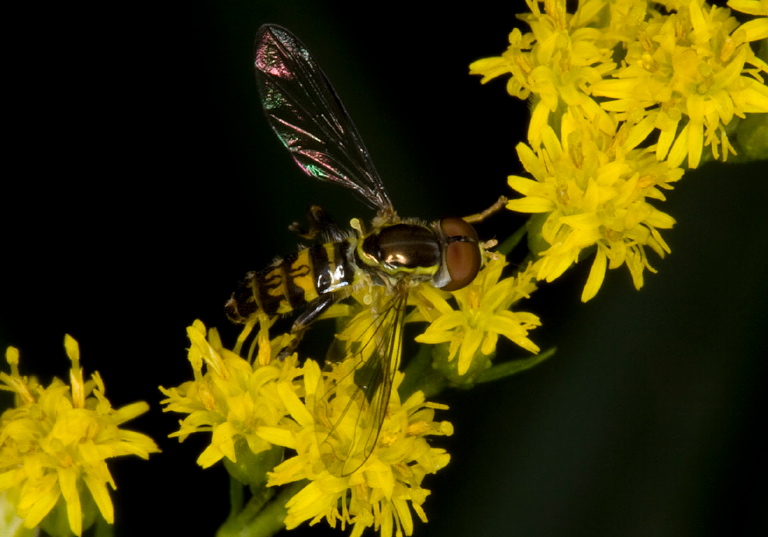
{"type": "Point", "coordinates": [306, 114]}
{"type": "Point", "coordinates": [354, 408]}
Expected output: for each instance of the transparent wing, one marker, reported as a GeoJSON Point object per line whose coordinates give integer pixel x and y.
{"type": "Point", "coordinates": [306, 114]}
{"type": "Point", "coordinates": [353, 410]}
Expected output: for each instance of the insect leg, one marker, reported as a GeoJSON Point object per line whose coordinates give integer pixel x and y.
{"type": "Point", "coordinates": [313, 310]}
{"type": "Point", "coordinates": [493, 209]}
{"type": "Point", "coordinates": [320, 223]}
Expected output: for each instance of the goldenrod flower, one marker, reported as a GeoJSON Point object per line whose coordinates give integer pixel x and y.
{"type": "Point", "coordinates": [55, 442]}
{"type": "Point", "coordinates": [230, 397]}
{"type": "Point", "coordinates": [685, 70]}
{"type": "Point", "coordinates": [690, 72]}
{"type": "Point", "coordinates": [593, 189]}
{"type": "Point", "coordinates": [382, 491]}
{"type": "Point", "coordinates": [556, 62]}
{"type": "Point", "coordinates": [483, 314]}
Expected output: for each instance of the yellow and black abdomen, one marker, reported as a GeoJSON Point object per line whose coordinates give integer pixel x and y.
{"type": "Point", "coordinates": [292, 282]}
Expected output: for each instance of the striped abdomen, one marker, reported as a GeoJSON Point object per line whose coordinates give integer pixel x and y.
{"type": "Point", "coordinates": [292, 282]}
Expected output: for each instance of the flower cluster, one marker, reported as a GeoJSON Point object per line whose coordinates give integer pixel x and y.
{"type": "Point", "coordinates": [376, 488]}
{"type": "Point", "coordinates": [622, 93]}
{"type": "Point", "coordinates": [483, 314]}
{"type": "Point", "coordinates": [230, 397]}
{"type": "Point", "coordinates": [364, 460]}
{"type": "Point", "coordinates": [593, 190]}
{"type": "Point", "coordinates": [55, 442]}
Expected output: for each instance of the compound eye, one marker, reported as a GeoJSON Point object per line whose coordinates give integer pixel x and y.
{"type": "Point", "coordinates": [462, 256]}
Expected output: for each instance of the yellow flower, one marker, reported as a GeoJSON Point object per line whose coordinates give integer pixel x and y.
{"type": "Point", "coordinates": [557, 62]}
{"type": "Point", "coordinates": [386, 487]}
{"type": "Point", "coordinates": [483, 314]}
{"type": "Point", "coordinates": [593, 190]}
{"type": "Point", "coordinates": [690, 72]}
{"type": "Point", "coordinates": [231, 397]}
{"type": "Point", "coordinates": [55, 442]}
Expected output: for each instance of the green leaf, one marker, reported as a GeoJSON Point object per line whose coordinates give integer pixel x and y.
{"type": "Point", "coordinates": [507, 369]}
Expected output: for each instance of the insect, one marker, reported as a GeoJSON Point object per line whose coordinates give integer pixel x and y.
{"type": "Point", "coordinates": [394, 255]}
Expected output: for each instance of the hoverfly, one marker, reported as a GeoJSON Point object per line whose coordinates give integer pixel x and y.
{"type": "Point", "coordinates": [395, 255]}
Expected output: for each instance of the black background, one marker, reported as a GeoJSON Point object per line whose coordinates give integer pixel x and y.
{"type": "Point", "coordinates": [142, 182]}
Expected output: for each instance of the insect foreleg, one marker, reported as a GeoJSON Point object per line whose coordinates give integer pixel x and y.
{"type": "Point", "coordinates": [493, 209]}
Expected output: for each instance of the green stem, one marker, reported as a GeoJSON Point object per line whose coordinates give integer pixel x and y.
{"type": "Point", "coordinates": [236, 496]}
{"type": "Point", "coordinates": [513, 240]}
{"type": "Point", "coordinates": [263, 515]}
{"type": "Point", "coordinates": [420, 375]}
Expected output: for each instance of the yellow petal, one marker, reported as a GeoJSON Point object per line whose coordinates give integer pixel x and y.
{"type": "Point", "coordinates": [756, 29]}
{"type": "Point", "coordinates": [100, 495]}
{"type": "Point", "coordinates": [278, 436]}
{"type": "Point", "coordinates": [531, 205]}
{"type": "Point", "coordinates": [68, 484]}
{"type": "Point", "coordinates": [596, 276]}
{"type": "Point", "coordinates": [44, 498]}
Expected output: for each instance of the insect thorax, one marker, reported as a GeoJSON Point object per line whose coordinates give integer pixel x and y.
{"type": "Point", "coordinates": [400, 250]}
